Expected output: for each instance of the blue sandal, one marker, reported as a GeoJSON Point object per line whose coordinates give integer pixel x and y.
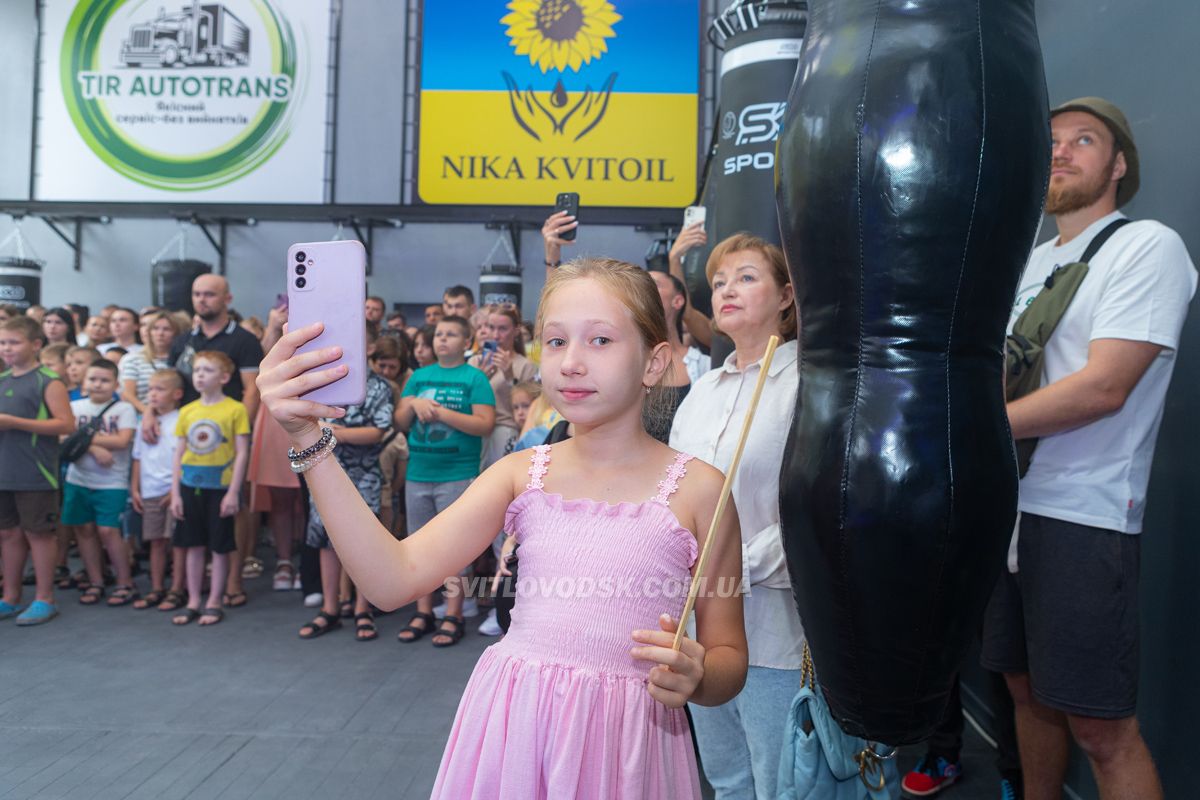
{"type": "Point", "coordinates": [38, 613]}
{"type": "Point", "coordinates": [8, 610]}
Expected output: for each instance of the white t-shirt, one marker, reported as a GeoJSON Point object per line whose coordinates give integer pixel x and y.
{"type": "Point", "coordinates": [1137, 288]}
{"type": "Point", "coordinates": [157, 461]}
{"type": "Point", "coordinates": [133, 348]}
{"type": "Point", "coordinates": [696, 363]}
{"type": "Point", "coordinates": [85, 471]}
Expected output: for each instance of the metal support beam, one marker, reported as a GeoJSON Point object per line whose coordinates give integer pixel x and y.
{"type": "Point", "coordinates": [75, 244]}
{"type": "Point", "coordinates": [217, 242]}
{"type": "Point", "coordinates": [514, 235]}
{"type": "Point", "coordinates": [368, 240]}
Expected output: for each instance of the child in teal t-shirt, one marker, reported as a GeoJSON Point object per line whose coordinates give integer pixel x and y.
{"type": "Point", "coordinates": [448, 409]}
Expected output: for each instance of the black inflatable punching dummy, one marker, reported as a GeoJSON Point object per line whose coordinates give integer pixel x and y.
{"type": "Point", "coordinates": [761, 43]}
{"type": "Point", "coordinates": [912, 170]}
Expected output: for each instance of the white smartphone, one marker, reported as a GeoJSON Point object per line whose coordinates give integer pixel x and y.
{"type": "Point", "coordinates": [327, 283]}
{"type": "Point", "coordinates": [693, 215]}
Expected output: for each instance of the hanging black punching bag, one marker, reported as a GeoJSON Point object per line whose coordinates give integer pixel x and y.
{"type": "Point", "coordinates": [912, 171]}
{"type": "Point", "coordinates": [761, 43]}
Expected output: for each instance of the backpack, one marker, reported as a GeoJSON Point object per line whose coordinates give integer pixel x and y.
{"type": "Point", "coordinates": [1025, 347]}
{"type": "Point", "coordinates": [76, 444]}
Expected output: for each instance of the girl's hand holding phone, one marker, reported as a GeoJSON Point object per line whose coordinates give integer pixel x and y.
{"type": "Point", "coordinates": [677, 673]}
{"type": "Point", "coordinates": [282, 378]}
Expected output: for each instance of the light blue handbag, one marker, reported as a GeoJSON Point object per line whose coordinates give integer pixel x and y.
{"type": "Point", "coordinates": [821, 762]}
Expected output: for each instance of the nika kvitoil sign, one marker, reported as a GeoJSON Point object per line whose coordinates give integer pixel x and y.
{"type": "Point", "coordinates": [521, 100]}
{"type": "Point", "coordinates": [173, 101]}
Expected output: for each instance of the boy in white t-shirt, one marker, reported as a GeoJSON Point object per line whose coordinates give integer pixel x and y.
{"type": "Point", "coordinates": [97, 485]}
{"type": "Point", "coordinates": [150, 490]}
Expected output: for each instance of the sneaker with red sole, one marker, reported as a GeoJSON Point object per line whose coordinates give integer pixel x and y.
{"type": "Point", "coordinates": [931, 776]}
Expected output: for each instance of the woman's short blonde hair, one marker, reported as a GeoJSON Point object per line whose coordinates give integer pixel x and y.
{"type": "Point", "coordinates": [741, 242]}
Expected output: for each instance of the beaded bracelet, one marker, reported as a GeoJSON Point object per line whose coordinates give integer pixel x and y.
{"type": "Point", "coordinates": [326, 435]}
{"type": "Point", "coordinates": [305, 464]}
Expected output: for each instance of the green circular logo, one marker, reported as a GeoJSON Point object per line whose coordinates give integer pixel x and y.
{"type": "Point", "coordinates": [196, 97]}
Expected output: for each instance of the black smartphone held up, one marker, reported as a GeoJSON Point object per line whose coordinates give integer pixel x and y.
{"type": "Point", "coordinates": [568, 202]}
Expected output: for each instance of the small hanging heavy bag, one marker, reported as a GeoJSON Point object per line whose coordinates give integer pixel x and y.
{"type": "Point", "coordinates": [1025, 347]}
{"type": "Point", "coordinates": [820, 762]}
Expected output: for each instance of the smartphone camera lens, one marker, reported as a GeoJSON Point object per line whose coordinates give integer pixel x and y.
{"type": "Point", "coordinates": [301, 283]}
{"type": "Point", "coordinates": [301, 269]}
{"type": "Point", "coordinates": [300, 256]}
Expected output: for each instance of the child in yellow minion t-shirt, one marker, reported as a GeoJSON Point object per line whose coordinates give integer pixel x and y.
{"type": "Point", "coordinates": [210, 465]}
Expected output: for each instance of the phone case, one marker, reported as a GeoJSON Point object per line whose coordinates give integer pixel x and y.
{"type": "Point", "coordinates": [569, 202]}
{"type": "Point", "coordinates": [694, 214]}
{"type": "Point", "coordinates": [334, 291]}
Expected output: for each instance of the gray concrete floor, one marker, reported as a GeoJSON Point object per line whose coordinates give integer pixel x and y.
{"type": "Point", "coordinates": [112, 703]}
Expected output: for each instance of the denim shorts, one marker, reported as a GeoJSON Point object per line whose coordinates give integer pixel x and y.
{"type": "Point", "coordinates": [424, 501]}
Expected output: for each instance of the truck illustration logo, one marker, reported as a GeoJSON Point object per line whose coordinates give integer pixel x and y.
{"type": "Point", "coordinates": [198, 35]}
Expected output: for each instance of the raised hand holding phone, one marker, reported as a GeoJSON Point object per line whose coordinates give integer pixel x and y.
{"type": "Point", "coordinates": [327, 284]}
{"type": "Point", "coordinates": [568, 202]}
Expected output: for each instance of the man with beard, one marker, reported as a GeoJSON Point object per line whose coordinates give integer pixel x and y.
{"type": "Point", "coordinates": [218, 331]}
{"type": "Point", "coordinates": [1064, 627]}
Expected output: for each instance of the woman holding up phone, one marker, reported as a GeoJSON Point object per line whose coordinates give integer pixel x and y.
{"type": "Point", "coordinates": [503, 360]}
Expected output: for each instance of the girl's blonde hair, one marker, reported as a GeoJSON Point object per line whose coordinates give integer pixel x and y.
{"type": "Point", "coordinates": [636, 290]}
{"type": "Point", "coordinates": [777, 264]}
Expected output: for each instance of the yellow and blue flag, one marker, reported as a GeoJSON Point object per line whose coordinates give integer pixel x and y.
{"type": "Point", "coordinates": [523, 99]}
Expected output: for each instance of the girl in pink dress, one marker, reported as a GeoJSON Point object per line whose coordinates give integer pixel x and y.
{"type": "Point", "coordinates": [584, 697]}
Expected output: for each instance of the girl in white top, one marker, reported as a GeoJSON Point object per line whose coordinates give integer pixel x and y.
{"type": "Point", "coordinates": [740, 742]}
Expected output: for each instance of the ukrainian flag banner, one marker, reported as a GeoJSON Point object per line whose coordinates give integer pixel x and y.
{"type": "Point", "coordinates": [524, 99]}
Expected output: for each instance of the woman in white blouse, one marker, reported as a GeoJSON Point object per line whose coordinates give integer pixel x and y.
{"type": "Point", "coordinates": [740, 742]}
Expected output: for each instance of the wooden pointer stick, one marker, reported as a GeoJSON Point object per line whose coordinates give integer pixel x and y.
{"type": "Point", "coordinates": [726, 489]}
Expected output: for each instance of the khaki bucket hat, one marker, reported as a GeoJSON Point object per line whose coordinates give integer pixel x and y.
{"type": "Point", "coordinates": [1111, 116]}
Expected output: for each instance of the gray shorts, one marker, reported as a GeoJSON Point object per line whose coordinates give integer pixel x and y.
{"type": "Point", "coordinates": [1069, 618]}
{"type": "Point", "coordinates": [157, 522]}
{"type": "Point", "coordinates": [424, 501]}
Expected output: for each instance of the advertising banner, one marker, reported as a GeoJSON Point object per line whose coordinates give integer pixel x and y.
{"type": "Point", "coordinates": [178, 101]}
{"type": "Point", "coordinates": [522, 100]}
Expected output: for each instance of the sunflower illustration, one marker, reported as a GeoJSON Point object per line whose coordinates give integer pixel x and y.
{"type": "Point", "coordinates": [560, 33]}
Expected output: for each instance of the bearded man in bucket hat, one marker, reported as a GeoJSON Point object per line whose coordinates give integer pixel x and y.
{"type": "Point", "coordinates": [1063, 627]}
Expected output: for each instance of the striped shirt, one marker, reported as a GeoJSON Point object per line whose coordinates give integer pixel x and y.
{"type": "Point", "coordinates": [138, 367]}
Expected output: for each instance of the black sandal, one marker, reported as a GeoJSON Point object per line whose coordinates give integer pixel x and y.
{"type": "Point", "coordinates": [63, 579]}
{"type": "Point", "coordinates": [235, 600]}
{"type": "Point", "coordinates": [150, 598]}
{"type": "Point", "coordinates": [211, 613]}
{"type": "Point", "coordinates": [430, 621]}
{"type": "Point", "coordinates": [188, 615]}
{"type": "Point", "coordinates": [364, 623]}
{"type": "Point", "coordinates": [346, 609]}
{"type": "Point", "coordinates": [173, 601]}
{"type": "Point", "coordinates": [124, 595]}
{"type": "Point", "coordinates": [454, 635]}
{"type": "Point", "coordinates": [91, 595]}
{"type": "Point", "coordinates": [315, 628]}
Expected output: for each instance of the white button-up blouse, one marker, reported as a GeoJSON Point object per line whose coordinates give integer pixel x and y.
{"type": "Point", "coordinates": [707, 425]}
